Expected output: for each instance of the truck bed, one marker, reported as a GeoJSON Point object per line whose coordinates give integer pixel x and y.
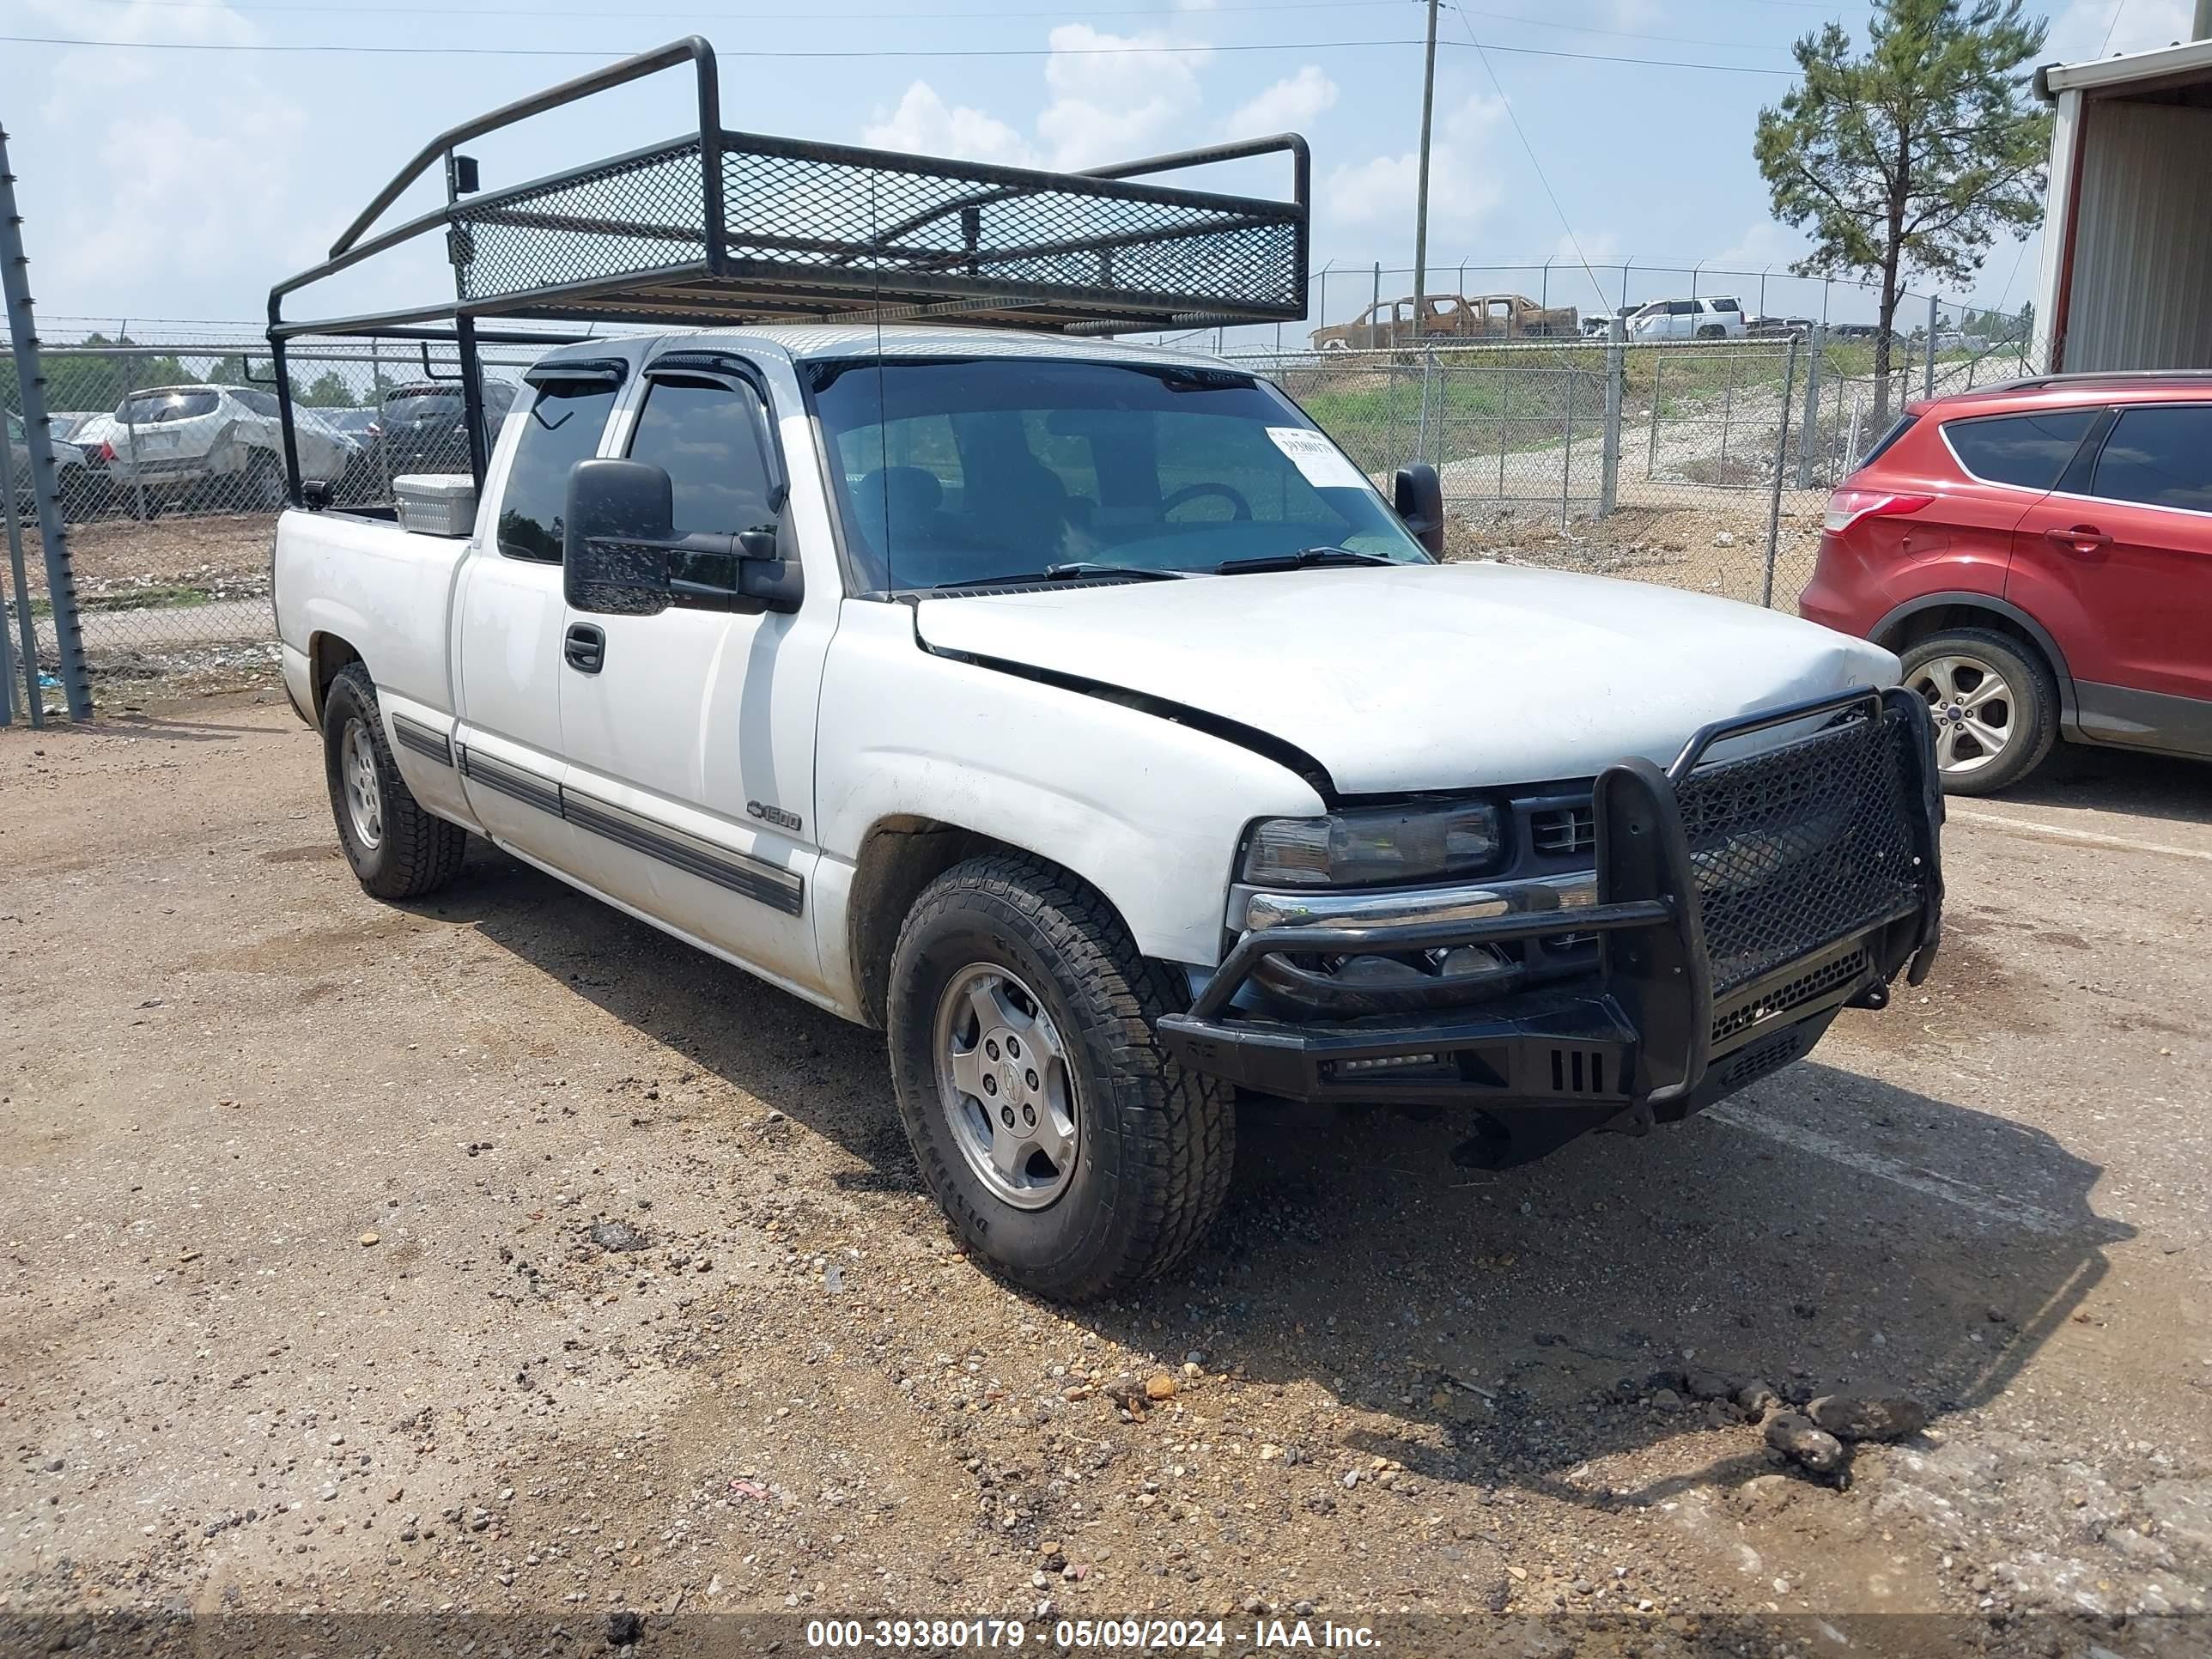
{"type": "Point", "coordinates": [364, 579]}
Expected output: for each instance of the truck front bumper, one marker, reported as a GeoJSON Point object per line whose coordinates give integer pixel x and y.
{"type": "Point", "coordinates": [1740, 903]}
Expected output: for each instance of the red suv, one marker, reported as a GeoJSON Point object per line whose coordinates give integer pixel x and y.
{"type": "Point", "coordinates": [2039, 553]}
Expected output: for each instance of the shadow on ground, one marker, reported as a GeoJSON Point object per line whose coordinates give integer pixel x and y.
{"type": "Point", "coordinates": [1824, 1231]}
{"type": "Point", "coordinates": [2119, 781]}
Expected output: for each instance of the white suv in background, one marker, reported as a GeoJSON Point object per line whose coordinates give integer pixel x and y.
{"type": "Point", "coordinates": [1688, 319]}
{"type": "Point", "coordinates": [172, 438]}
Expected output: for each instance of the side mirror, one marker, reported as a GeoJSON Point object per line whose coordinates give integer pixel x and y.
{"type": "Point", "coordinates": [620, 555]}
{"type": "Point", "coordinates": [316, 494]}
{"type": "Point", "coordinates": [1418, 495]}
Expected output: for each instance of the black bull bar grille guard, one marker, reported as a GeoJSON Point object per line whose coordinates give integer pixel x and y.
{"type": "Point", "coordinates": [1741, 902]}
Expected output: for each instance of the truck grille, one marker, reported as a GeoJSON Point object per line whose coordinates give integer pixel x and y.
{"type": "Point", "coordinates": [1802, 847]}
{"type": "Point", "coordinates": [1562, 829]}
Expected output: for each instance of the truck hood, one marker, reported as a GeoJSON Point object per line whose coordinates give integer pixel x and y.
{"type": "Point", "coordinates": [1423, 676]}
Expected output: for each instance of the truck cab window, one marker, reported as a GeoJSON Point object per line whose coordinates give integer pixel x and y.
{"type": "Point", "coordinates": [706, 436]}
{"type": "Point", "coordinates": [563, 429]}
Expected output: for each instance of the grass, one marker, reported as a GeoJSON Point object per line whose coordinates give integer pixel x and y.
{"type": "Point", "coordinates": [160, 596]}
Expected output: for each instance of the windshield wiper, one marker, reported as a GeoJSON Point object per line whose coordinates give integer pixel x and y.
{"type": "Point", "coordinates": [1075, 570]}
{"type": "Point", "coordinates": [1303, 557]}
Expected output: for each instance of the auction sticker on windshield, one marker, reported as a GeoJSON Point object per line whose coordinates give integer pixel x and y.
{"type": "Point", "coordinates": [1320, 461]}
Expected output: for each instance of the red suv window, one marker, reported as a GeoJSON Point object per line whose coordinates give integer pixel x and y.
{"type": "Point", "coordinates": [2029, 450]}
{"type": "Point", "coordinates": [2160, 455]}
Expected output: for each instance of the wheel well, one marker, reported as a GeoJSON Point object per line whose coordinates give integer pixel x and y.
{"type": "Point", "coordinates": [326, 654]}
{"type": "Point", "coordinates": [900, 857]}
{"type": "Point", "coordinates": [1902, 636]}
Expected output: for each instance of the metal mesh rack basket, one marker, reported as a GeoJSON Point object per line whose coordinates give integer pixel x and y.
{"type": "Point", "coordinates": [722, 226]}
{"type": "Point", "coordinates": [719, 227]}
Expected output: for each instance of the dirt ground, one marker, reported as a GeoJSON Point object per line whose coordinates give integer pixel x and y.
{"type": "Point", "coordinates": [1705, 540]}
{"type": "Point", "coordinates": [223, 553]}
{"type": "Point", "coordinates": [500, 1264]}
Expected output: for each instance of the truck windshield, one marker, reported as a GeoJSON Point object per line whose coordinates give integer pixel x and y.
{"type": "Point", "coordinates": [956, 470]}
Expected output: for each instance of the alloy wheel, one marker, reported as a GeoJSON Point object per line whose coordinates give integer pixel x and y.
{"type": "Point", "coordinates": [1974, 710]}
{"type": "Point", "coordinates": [1006, 1087]}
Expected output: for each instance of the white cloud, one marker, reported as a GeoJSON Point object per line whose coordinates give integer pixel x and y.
{"type": "Point", "coordinates": [2079, 33]}
{"type": "Point", "coordinates": [1463, 180]}
{"type": "Point", "coordinates": [1284, 107]}
{"type": "Point", "coordinates": [1110, 104]}
{"type": "Point", "coordinates": [185, 204]}
{"type": "Point", "coordinates": [1600, 247]}
{"type": "Point", "coordinates": [1763, 243]}
{"type": "Point", "coordinates": [924, 124]}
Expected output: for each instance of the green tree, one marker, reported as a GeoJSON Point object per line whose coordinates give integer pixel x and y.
{"type": "Point", "coordinates": [97, 381]}
{"type": "Point", "coordinates": [328, 391]}
{"type": "Point", "coordinates": [1909, 158]}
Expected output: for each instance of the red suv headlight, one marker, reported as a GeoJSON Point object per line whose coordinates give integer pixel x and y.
{"type": "Point", "coordinates": [1848, 505]}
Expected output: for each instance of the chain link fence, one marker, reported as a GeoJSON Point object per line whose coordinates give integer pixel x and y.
{"type": "Point", "coordinates": [169, 456]}
{"type": "Point", "coordinates": [1703, 463]}
{"type": "Point", "coordinates": [1700, 463]}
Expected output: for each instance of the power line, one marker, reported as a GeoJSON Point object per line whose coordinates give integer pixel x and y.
{"type": "Point", "coordinates": [1062, 13]}
{"type": "Point", "coordinates": [1541, 177]}
{"type": "Point", "coordinates": [369, 14]}
{"type": "Point", "coordinates": [602, 55]}
{"type": "Point", "coordinates": [1616, 35]}
{"type": "Point", "coordinates": [2110, 27]}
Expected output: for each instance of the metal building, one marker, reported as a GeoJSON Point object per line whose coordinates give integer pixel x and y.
{"type": "Point", "coordinates": [2127, 229]}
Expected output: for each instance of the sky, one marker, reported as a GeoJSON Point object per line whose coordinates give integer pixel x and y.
{"type": "Point", "coordinates": [179, 182]}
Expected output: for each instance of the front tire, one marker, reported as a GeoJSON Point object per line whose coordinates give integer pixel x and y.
{"type": "Point", "coordinates": [1995, 706]}
{"type": "Point", "coordinates": [1072, 1155]}
{"type": "Point", "coordinates": [397, 851]}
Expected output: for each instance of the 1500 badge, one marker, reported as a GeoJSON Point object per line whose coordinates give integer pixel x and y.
{"type": "Point", "coordinates": [775, 815]}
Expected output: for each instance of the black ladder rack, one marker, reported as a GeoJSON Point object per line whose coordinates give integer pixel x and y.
{"type": "Point", "coordinates": [719, 227]}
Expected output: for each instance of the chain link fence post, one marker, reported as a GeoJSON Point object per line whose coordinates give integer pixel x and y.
{"type": "Point", "coordinates": [1781, 463]}
{"type": "Point", "coordinates": [23, 601]}
{"type": "Point", "coordinates": [1566, 444]}
{"type": "Point", "coordinates": [1421, 433]}
{"type": "Point", "coordinates": [1808, 436]}
{"type": "Point", "coordinates": [1616, 376]}
{"type": "Point", "coordinates": [27, 632]}
{"type": "Point", "coordinates": [1928, 380]}
{"type": "Point", "coordinates": [1728, 407]}
{"type": "Point", "coordinates": [1651, 439]}
{"type": "Point", "coordinates": [46, 493]}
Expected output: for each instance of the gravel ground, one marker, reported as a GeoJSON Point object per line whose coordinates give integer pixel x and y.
{"type": "Point", "coordinates": [499, 1256]}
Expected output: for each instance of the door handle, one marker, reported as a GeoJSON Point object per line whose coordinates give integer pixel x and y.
{"type": "Point", "coordinates": [586, 648]}
{"type": "Point", "coordinates": [2081, 538]}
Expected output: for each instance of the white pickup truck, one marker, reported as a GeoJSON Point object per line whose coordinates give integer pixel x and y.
{"type": "Point", "coordinates": [1079, 714]}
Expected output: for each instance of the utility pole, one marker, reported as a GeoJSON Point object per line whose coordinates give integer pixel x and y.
{"type": "Point", "coordinates": [1421, 198]}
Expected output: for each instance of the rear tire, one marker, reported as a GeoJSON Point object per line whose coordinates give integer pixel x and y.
{"type": "Point", "coordinates": [1124, 1158]}
{"type": "Point", "coordinates": [1995, 704]}
{"type": "Point", "coordinates": [1712, 332]}
{"type": "Point", "coordinates": [397, 851]}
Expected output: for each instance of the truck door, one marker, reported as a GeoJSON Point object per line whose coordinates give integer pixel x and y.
{"type": "Point", "coordinates": [689, 734]}
{"type": "Point", "coordinates": [508, 618]}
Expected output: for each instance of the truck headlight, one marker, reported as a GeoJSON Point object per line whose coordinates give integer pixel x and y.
{"type": "Point", "coordinates": [1372, 845]}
